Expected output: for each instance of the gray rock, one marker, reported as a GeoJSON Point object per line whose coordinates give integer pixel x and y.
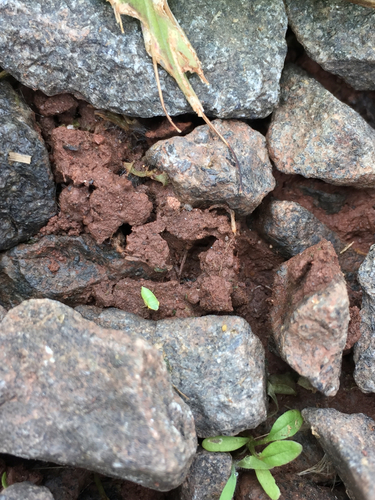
{"type": "Point", "coordinates": [315, 135]}
{"type": "Point", "coordinates": [64, 268]}
{"type": "Point", "coordinates": [77, 394]}
{"type": "Point", "coordinates": [364, 349]}
{"type": "Point", "coordinates": [26, 491]}
{"type": "Point", "coordinates": [339, 36]}
{"type": "Point", "coordinates": [203, 171]}
{"type": "Point", "coordinates": [27, 191]}
{"type": "Point", "coordinates": [216, 364]}
{"type": "Point", "coordinates": [349, 441]}
{"type": "Point", "coordinates": [291, 228]}
{"type": "Point", "coordinates": [207, 477]}
{"type": "Point", "coordinates": [3, 312]}
{"type": "Point", "coordinates": [310, 316]}
{"type": "Point", "coordinates": [77, 47]}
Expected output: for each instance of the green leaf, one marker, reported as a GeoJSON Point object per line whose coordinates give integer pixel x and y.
{"type": "Point", "coordinates": [305, 383]}
{"type": "Point", "coordinates": [224, 443]}
{"type": "Point", "coordinates": [4, 482]}
{"type": "Point", "coordinates": [283, 384]}
{"type": "Point", "coordinates": [251, 462]}
{"type": "Point", "coordinates": [229, 488]}
{"type": "Point", "coordinates": [268, 483]}
{"type": "Point", "coordinates": [271, 393]}
{"type": "Point", "coordinates": [285, 426]}
{"type": "Point", "coordinates": [149, 299]}
{"type": "Point", "coordinates": [280, 453]}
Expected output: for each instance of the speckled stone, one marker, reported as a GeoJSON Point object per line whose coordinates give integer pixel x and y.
{"type": "Point", "coordinates": [64, 268]}
{"type": "Point", "coordinates": [216, 364]}
{"type": "Point", "coordinates": [339, 36]}
{"type": "Point", "coordinates": [26, 491]}
{"type": "Point", "coordinates": [27, 191]}
{"type": "Point", "coordinates": [349, 441]}
{"type": "Point", "coordinates": [310, 315]}
{"type": "Point", "coordinates": [207, 477]}
{"type": "Point", "coordinates": [76, 46]}
{"type": "Point", "coordinates": [291, 228]}
{"type": "Point", "coordinates": [77, 394]}
{"type": "Point", "coordinates": [364, 349]}
{"type": "Point", "coordinates": [315, 135]}
{"type": "Point", "coordinates": [203, 171]}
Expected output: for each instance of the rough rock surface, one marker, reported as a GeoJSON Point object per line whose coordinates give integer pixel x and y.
{"type": "Point", "coordinates": [339, 36]}
{"type": "Point", "coordinates": [3, 312]}
{"type": "Point", "coordinates": [60, 46]}
{"type": "Point", "coordinates": [26, 491]}
{"type": "Point", "coordinates": [364, 349]}
{"type": "Point", "coordinates": [64, 268]}
{"type": "Point", "coordinates": [349, 441]}
{"type": "Point", "coordinates": [75, 393]}
{"type": "Point", "coordinates": [27, 191]}
{"type": "Point", "coordinates": [203, 170]}
{"type": "Point", "coordinates": [315, 135]}
{"type": "Point", "coordinates": [216, 363]}
{"type": "Point", "coordinates": [207, 477]}
{"type": "Point", "coordinates": [311, 314]}
{"type": "Point", "coordinates": [291, 228]}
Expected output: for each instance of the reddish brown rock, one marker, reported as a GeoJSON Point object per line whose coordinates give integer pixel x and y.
{"type": "Point", "coordinates": [310, 315]}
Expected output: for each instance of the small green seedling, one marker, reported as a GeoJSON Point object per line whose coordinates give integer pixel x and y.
{"type": "Point", "coordinates": [4, 482]}
{"type": "Point", "coordinates": [277, 453]}
{"type": "Point", "coordinates": [149, 299]}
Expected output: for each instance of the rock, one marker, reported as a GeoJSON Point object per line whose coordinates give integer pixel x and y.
{"type": "Point", "coordinates": [203, 171]}
{"type": "Point", "coordinates": [364, 349]}
{"type": "Point", "coordinates": [310, 315]}
{"type": "Point", "coordinates": [291, 487]}
{"type": "Point", "coordinates": [64, 268]}
{"type": "Point", "coordinates": [315, 135]}
{"type": "Point", "coordinates": [3, 312]}
{"type": "Point", "coordinates": [77, 394]}
{"type": "Point", "coordinates": [349, 441]}
{"type": "Point", "coordinates": [26, 491]}
{"type": "Point", "coordinates": [207, 477]}
{"type": "Point", "coordinates": [78, 48]}
{"type": "Point", "coordinates": [216, 364]}
{"type": "Point", "coordinates": [339, 36]}
{"type": "Point", "coordinates": [27, 191]}
{"type": "Point", "coordinates": [292, 229]}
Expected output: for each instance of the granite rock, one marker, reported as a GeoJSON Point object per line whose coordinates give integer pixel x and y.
{"type": "Point", "coordinates": [27, 191]}
{"type": "Point", "coordinates": [364, 349]}
{"type": "Point", "coordinates": [77, 47]}
{"type": "Point", "coordinates": [26, 491]}
{"type": "Point", "coordinates": [64, 268]}
{"type": "Point", "coordinates": [338, 35]}
{"type": "Point", "coordinates": [317, 136]}
{"type": "Point", "coordinates": [75, 393]}
{"type": "Point", "coordinates": [216, 364]}
{"type": "Point", "coordinates": [349, 442]}
{"type": "Point", "coordinates": [310, 315]}
{"type": "Point", "coordinates": [292, 228]}
{"type": "Point", "coordinates": [203, 171]}
{"type": "Point", "coordinates": [207, 477]}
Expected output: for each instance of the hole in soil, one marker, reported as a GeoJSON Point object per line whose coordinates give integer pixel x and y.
{"type": "Point", "coordinates": [125, 229]}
